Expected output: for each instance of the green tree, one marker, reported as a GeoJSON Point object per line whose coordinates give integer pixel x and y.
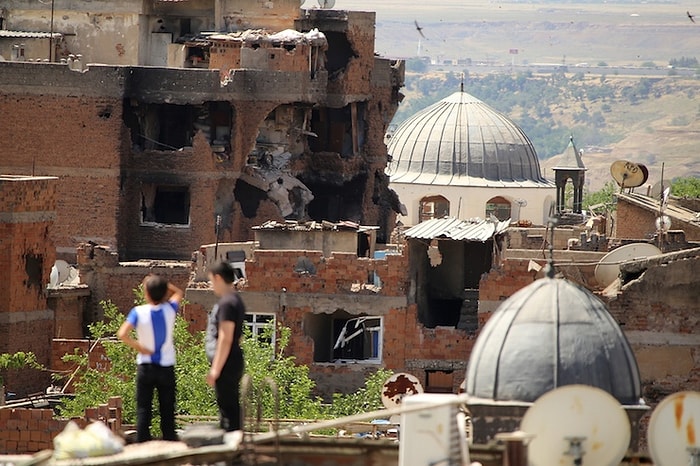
{"type": "Point", "coordinates": [603, 196]}
{"type": "Point", "coordinates": [688, 186]}
{"type": "Point", "coordinates": [18, 360]}
{"type": "Point", "coordinates": [265, 363]}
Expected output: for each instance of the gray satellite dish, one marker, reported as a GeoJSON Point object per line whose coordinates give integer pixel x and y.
{"type": "Point", "coordinates": [326, 4]}
{"type": "Point", "coordinates": [673, 430]}
{"type": "Point", "coordinates": [576, 424]}
{"type": "Point", "coordinates": [608, 268]}
{"type": "Point", "coordinates": [62, 274]}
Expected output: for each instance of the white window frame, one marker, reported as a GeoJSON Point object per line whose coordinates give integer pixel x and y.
{"type": "Point", "coordinates": [378, 330]}
{"type": "Point", "coordinates": [257, 327]}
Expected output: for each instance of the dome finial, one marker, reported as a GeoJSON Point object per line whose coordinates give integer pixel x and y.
{"type": "Point", "coordinates": [551, 224]}
{"type": "Point", "coordinates": [461, 84]}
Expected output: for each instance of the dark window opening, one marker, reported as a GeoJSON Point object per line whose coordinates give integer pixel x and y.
{"type": "Point", "coordinates": [185, 26]}
{"type": "Point", "coordinates": [248, 197]}
{"type": "Point", "coordinates": [342, 337]}
{"type": "Point", "coordinates": [339, 53]}
{"type": "Point", "coordinates": [34, 268]}
{"type": "Point", "coordinates": [340, 130]}
{"type": "Point", "coordinates": [168, 205]}
{"type": "Point", "coordinates": [447, 289]}
{"type": "Point", "coordinates": [499, 207]}
{"type": "Point", "coordinates": [437, 381]}
{"type": "Point", "coordinates": [262, 326]}
{"type": "Point", "coordinates": [433, 207]}
{"type": "Point", "coordinates": [334, 203]}
{"type": "Point", "coordinates": [167, 127]}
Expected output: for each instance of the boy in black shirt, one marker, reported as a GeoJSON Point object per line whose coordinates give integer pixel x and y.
{"type": "Point", "coordinates": [222, 345]}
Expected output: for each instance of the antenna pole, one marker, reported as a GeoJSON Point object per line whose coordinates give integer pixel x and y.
{"type": "Point", "coordinates": [218, 229]}
{"type": "Point", "coordinates": [661, 210]}
{"type": "Point", "coordinates": [551, 224]}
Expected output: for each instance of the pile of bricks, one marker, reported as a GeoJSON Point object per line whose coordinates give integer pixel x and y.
{"type": "Point", "coordinates": [24, 430]}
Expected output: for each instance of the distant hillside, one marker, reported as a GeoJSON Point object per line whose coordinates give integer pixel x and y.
{"type": "Point", "coordinates": [646, 120]}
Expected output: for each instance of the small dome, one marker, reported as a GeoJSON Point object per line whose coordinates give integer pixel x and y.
{"type": "Point", "coordinates": [461, 141]}
{"type": "Point", "coordinates": [550, 334]}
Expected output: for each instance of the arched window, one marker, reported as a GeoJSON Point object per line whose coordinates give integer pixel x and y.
{"type": "Point", "coordinates": [433, 207]}
{"type": "Point", "coordinates": [499, 207]}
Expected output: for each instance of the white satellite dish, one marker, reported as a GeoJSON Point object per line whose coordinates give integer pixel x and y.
{"type": "Point", "coordinates": [399, 386]}
{"type": "Point", "coordinates": [673, 430]}
{"type": "Point", "coordinates": [608, 268]}
{"type": "Point", "coordinates": [326, 4]}
{"type": "Point", "coordinates": [577, 425]}
{"type": "Point", "coordinates": [663, 223]}
{"type": "Point", "coordinates": [62, 273]}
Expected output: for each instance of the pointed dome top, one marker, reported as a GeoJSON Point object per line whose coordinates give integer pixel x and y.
{"type": "Point", "coordinates": [571, 158]}
{"type": "Point", "coordinates": [461, 141]}
{"type": "Point", "coordinates": [550, 334]}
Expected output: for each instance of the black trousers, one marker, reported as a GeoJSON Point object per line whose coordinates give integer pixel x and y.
{"type": "Point", "coordinates": [227, 389]}
{"type": "Point", "coordinates": [150, 377]}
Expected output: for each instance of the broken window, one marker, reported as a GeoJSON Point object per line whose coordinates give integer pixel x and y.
{"type": "Point", "coordinates": [163, 204]}
{"type": "Point", "coordinates": [447, 289]}
{"type": "Point", "coordinates": [340, 130]}
{"type": "Point", "coordinates": [261, 326]}
{"type": "Point", "coordinates": [433, 207]}
{"type": "Point", "coordinates": [166, 127]}
{"type": "Point", "coordinates": [333, 202]}
{"type": "Point", "coordinates": [499, 207]}
{"type": "Point", "coordinates": [248, 197]}
{"type": "Point", "coordinates": [341, 337]}
{"type": "Point", "coordinates": [34, 267]}
{"type": "Point", "coordinates": [437, 381]}
{"type": "Point", "coordinates": [339, 53]}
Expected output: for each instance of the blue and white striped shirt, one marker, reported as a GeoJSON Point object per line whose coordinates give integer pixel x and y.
{"type": "Point", "coordinates": [154, 330]}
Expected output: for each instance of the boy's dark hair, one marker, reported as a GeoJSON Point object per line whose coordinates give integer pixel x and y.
{"type": "Point", "coordinates": [224, 270]}
{"type": "Point", "coordinates": [156, 286]}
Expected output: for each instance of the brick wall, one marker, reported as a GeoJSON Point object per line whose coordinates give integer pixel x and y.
{"type": "Point", "coordinates": [77, 139]}
{"type": "Point", "coordinates": [110, 279]}
{"type": "Point", "coordinates": [27, 212]}
{"type": "Point", "coordinates": [69, 306]}
{"type": "Point", "coordinates": [26, 431]}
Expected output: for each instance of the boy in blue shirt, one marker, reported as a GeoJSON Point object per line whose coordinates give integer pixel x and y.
{"type": "Point", "coordinates": [154, 323]}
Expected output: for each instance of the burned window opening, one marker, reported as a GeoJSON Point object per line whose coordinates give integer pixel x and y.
{"type": "Point", "coordinates": [340, 130]}
{"type": "Point", "coordinates": [34, 268]}
{"type": "Point", "coordinates": [339, 53]}
{"type": "Point", "coordinates": [167, 127]}
{"type": "Point", "coordinates": [165, 205]}
{"type": "Point", "coordinates": [499, 207]}
{"type": "Point", "coordinates": [341, 337]}
{"type": "Point", "coordinates": [248, 197]}
{"type": "Point", "coordinates": [448, 292]}
{"type": "Point", "coordinates": [433, 207]}
{"type": "Point", "coordinates": [336, 202]}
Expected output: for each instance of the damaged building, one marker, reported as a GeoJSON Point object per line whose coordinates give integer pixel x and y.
{"type": "Point", "coordinates": [201, 120]}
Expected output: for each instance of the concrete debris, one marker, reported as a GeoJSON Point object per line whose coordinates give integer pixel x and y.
{"type": "Point", "coordinates": [288, 36]}
{"type": "Point", "coordinates": [308, 226]}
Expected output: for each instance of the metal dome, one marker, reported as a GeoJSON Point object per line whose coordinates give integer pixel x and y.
{"type": "Point", "coordinates": [461, 141]}
{"type": "Point", "coordinates": [550, 334]}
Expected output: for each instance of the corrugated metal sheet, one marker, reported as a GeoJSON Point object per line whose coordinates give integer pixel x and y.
{"type": "Point", "coordinates": [28, 35]}
{"type": "Point", "coordinates": [456, 229]}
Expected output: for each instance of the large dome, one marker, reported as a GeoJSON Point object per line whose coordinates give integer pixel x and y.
{"type": "Point", "coordinates": [461, 141]}
{"type": "Point", "coordinates": [550, 334]}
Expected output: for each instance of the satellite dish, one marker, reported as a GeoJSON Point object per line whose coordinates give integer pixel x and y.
{"type": "Point", "coordinates": [521, 202]}
{"type": "Point", "coordinates": [62, 274]}
{"type": "Point", "coordinates": [608, 268]}
{"type": "Point", "coordinates": [326, 4]}
{"type": "Point", "coordinates": [577, 424]}
{"type": "Point", "coordinates": [399, 386]}
{"type": "Point", "coordinates": [629, 174]}
{"type": "Point", "coordinates": [673, 430]}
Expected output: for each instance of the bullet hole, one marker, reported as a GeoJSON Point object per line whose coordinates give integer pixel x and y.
{"type": "Point", "coordinates": [34, 266]}
{"type": "Point", "coordinates": [105, 113]}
